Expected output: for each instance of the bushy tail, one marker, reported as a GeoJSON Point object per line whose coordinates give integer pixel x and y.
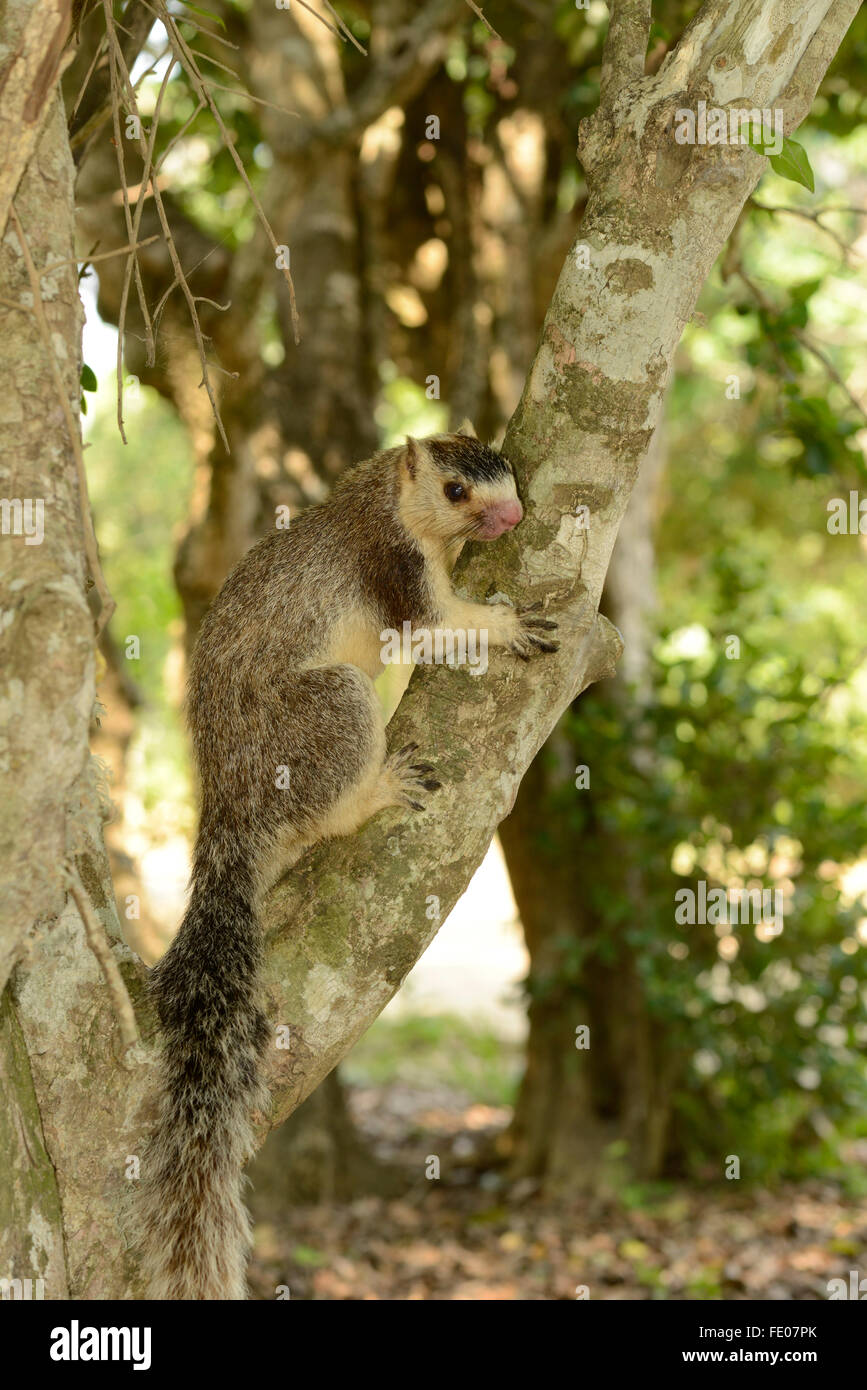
{"type": "Point", "coordinates": [196, 1228]}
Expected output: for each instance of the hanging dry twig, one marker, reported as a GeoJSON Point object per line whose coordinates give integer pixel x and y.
{"type": "Point", "coordinates": [103, 256]}
{"type": "Point", "coordinates": [133, 266]}
{"type": "Point", "coordinates": [201, 88]}
{"type": "Point", "coordinates": [345, 29]}
{"type": "Point", "coordinates": [121, 80]}
{"type": "Point", "coordinates": [490, 28]}
{"type": "Point", "coordinates": [178, 137]}
{"type": "Point", "coordinates": [164, 297]}
{"type": "Point", "coordinates": [322, 20]}
{"type": "Point", "coordinates": [96, 940]}
{"type": "Point", "coordinates": [107, 604]}
{"type": "Point", "coordinates": [123, 95]}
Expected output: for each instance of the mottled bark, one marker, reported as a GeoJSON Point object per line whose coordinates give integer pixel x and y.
{"type": "Point", "coordinates": [46, 634]}
{"type": "Point", "coordinates": [31, 57]}
{"type": "Point", "coordinates": [47, 661]}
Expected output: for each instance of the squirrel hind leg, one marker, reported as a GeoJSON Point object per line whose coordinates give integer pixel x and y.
{"type": "Point", "coordinates": [400, 779]}
{"type": "Point", "coordinates": [336, 772]}
{"type": "Point", "coordinates": [354, 757]}
{"type": "Point", "coordinates": [334, 760]}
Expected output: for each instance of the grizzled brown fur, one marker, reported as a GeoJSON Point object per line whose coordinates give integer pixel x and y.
{"type": "Point", "coordinates": [281, 682]}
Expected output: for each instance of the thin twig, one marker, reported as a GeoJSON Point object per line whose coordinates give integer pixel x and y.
{"type": "Point", "coordinates": [85, 261]}
{"type": "Point", "coordinates": [100, 49]}
{"type": "Point", "coordinates": [184, 19]}
{"type": "Point", "coordinates": [476, 11]}
{"type": "Point", "coordinates": [216, 62]}
{"type": "Point", "coordinates": [804, 339]}
{"type": "Point", "coordinates": [203, 299]}
{"type": "Point", "coordinates": [96, 940]}
{"type": "Point", "coordinates": [345, 27]}
{"type": "Point", "coordinates": [320, 17]}
{"type": "Point", "coordinates": [175, 138]}
{"type": "Point", "coordinates": [115, 57]}
{"type": "Point", "coordinates": [165, 295]}
{"type": "Point", "coordinates": [107, 604]}
{"type": "Point", "coordinates": [248, 96]}
{"type": "Point", "coordinates": [144, 146]}
{"type": "Point", "coordinates": [140, 206]}
{"type": "Point", "coordinates": [813, 217]}
{"type": "Point", "coordinates": [807, 342]}
{"type": "Point", "coordinates": [202, 92]}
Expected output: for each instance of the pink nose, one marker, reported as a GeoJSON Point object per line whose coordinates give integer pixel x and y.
{"type": "Point", "coordinates": [500, 517]}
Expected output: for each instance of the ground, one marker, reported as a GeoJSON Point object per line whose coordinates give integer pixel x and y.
{"type": "Point", "coordinates": [467, 1236]}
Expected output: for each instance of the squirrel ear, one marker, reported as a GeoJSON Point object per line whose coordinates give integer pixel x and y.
{"type": "Point", "coordinates": [466, 428]}
{"type": "Point", "coordinates": [412, 456]}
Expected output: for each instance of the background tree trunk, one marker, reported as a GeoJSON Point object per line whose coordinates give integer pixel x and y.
{"type": "Point", "coordinates": [575, 1102]}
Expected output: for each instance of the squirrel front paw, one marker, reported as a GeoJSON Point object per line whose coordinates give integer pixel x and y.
{"type": "Point", "coordinates": [527, 639]}
{"type": "Point", "coordinates": [410, 780]}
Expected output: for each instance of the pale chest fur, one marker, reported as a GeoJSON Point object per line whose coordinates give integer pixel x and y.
{"type": "Point", "coordinates": [355, 638]}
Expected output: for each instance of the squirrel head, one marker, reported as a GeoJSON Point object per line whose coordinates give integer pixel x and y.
{"type": "Point", "coordinates": [453, 487]}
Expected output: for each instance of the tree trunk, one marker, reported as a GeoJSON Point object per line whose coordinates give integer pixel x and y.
{"type": "Point", "coordinates": [51, 806]}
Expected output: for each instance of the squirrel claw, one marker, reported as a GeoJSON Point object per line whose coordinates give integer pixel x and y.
{"type": "Point", "coordinates": [527, 641]}
{"type": "Point", "coordinates": [410, 780]}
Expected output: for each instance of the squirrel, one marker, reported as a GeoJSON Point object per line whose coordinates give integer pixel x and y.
{"type": "Point", "coordinates": [281, 681]}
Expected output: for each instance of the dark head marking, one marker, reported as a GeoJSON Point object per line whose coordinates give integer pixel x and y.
{"type": "Point", "coordinates": [468, 458]}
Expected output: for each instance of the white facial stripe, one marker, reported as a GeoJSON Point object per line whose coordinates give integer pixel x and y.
{"type": "Point", "coordinates": [486, 493]}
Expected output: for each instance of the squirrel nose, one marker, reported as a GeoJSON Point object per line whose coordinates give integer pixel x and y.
{"type": "Point", "coordinates": [500, 517]}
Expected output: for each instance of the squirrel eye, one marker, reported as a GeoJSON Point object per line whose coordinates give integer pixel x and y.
{"type": "Point", "coordinates": [454, 491]}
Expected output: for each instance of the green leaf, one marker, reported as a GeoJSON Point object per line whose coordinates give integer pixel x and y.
{"type": "Point", "coordinates": [83, 404]}
{"type": "Point", "coordinates": [792, 163]}
{"type": "Point", "coordinates": [205, 14]}
{"type": "Point", "coordinates": [88, 378]}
